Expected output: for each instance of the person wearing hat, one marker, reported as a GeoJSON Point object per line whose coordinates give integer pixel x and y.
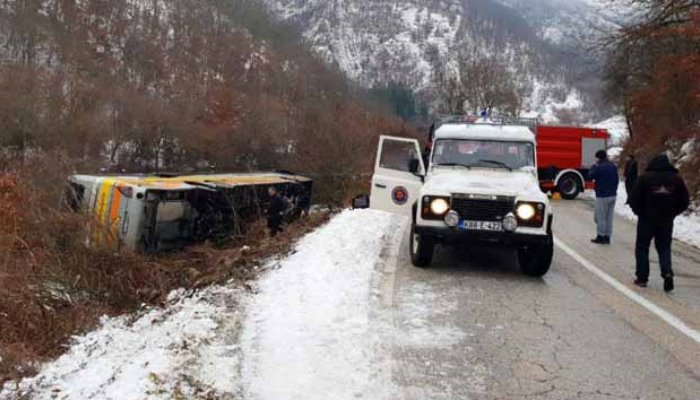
{"type": "Point", "coordinates": [607, 179]}
{"type": "Point", "coordinates": [658, 197]}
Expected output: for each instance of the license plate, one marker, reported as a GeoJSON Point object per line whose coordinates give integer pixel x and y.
{"type": "Point", "coordinates": [482, 225]}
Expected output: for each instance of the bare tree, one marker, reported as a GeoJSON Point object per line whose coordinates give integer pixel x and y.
{"type": "Point", "coordinates": [489, 85]}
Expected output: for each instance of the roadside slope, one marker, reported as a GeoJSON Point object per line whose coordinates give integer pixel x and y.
{"type": "Point", "coordinates": [306, 331]}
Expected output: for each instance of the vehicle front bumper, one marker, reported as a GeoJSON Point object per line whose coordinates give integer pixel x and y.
{"type": "Point", "coordinates": [454, 235]}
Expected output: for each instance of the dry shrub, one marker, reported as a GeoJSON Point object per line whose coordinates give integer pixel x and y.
{"type": "Point", "coordinates": [53, 287]}
{"type": "Point", "coordinates": [208, 265]}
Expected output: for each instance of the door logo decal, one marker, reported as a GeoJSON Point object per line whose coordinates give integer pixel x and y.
{"type": "Point", "coordinates": [399, 195]}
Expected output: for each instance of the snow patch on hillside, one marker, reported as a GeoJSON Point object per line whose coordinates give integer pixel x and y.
{"type": "Point", "coordinates": [617, 127]}
{"type": "Point", "coordinates": [376, 42]}
{"type": "Point", "coordinates": [543, 104]}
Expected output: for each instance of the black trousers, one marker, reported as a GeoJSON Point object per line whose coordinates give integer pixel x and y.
{"type": "Point", "coordinates": [662, 233]}
{"type": "Point", "coordinates": [275, 224]}
{"type": "Point", "coordinates": [629, 185]}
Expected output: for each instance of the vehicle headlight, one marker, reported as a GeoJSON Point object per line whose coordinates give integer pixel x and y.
{"type": "Point", "coordinates": [439, 206]}
{"type": "Point", "coordinates": [510, 223]}
{"type": "Point", "coordinates": [452, 219]}
{"type": "Point", "coordinates": [526, 211]}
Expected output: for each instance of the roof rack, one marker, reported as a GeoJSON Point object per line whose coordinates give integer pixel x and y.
{"type": "Point", "coordinates": [494, 119]}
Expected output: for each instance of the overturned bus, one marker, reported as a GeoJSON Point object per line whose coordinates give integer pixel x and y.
{"type": "Point", "coordinates": [147, 213]}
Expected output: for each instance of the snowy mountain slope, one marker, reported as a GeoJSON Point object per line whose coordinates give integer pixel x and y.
{"type": "Point", "coordinates": [381, 41]}
{"type": "Point", "coordinates": [374, 41]}
{"type": "Point", "coordinates": [566, 22]}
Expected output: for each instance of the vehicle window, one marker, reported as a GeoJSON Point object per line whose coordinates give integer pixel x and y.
{"type": "Point", "coordinates": [74, 196]}
{"type": "Point", "coordinates": [397, 155]}
{"type": "Point", "coordinates": [484, 153]}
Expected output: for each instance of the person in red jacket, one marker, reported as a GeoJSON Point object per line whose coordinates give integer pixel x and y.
{"type": "Point", "coordinates": [658, 197]}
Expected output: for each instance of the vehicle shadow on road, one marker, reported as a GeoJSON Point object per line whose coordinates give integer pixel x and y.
{"type": "Point", "coordinates": [482, 262]}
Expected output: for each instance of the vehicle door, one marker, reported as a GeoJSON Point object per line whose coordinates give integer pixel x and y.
{"type": "Point", "coordinates": [398, 175]}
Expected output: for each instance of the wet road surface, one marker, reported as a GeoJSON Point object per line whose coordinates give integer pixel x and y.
{"type": "Point", "coordinates": [473, 327]}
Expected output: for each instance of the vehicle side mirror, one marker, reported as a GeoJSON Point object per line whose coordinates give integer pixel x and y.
{"type": "Point", "coordinates": [414, 166]}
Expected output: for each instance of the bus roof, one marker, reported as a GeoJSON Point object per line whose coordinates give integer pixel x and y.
{"type": "Point", "coordinates": [184, 182]}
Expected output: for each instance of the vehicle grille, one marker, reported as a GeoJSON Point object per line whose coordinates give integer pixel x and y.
{"type": "Point", "coordinates": [477, 209]}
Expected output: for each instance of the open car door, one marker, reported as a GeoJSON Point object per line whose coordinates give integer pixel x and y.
{"type": "Point", "coordinates": [398, 175]}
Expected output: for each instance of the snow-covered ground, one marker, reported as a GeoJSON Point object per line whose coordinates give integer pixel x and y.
{"type": "Point", "coordinates": [686, 228]}
{"type": "Point", "coordinates": [310, 332]}
{"type": "Point", "coordinates": [617, 126]}
{"type": "Point", "coordinates": [306, 334]}
{"type": "Point", "coordinates": [186, 348]}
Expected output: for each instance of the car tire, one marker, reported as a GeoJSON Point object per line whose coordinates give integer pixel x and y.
{"type": "Point", "coordinates": [422, 248]}
{"type": "Point", "coordinates": [569, 186]}
{"type": "Point", "coordinates": [535, 260]}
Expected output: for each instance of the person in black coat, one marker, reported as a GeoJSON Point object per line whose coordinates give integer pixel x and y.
{"type": "Point", "coordinates": [631, 174]}
{"type": "Point", "coordinates": [275, 211]}
{"type": "Point", "coordinates": [658, 197]}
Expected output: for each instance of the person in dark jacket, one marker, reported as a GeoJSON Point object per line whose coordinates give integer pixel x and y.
{"type": "Point", "coordinates": [303, 203]}
{"type": "Point", "coordinates": [606, 178]}
{"type": "Point", "coordinates": [275, 211]}
{"type": "Point", "coordinates": [631, 173]}
{"type": "Point", "coordinates": [658, 197]}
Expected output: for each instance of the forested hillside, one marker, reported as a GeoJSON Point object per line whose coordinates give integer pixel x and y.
{"type": "Point", "coordinates": [151, 86]}
{"type": "Point", "coordinates": [653, 73]}
{"type": "Point", "coordinates": [154, 85]}
{"type": "Point", "coordinates": [528, 57]}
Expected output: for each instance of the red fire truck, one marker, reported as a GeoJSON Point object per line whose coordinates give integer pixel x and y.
{"type": "Point", "coordinates": [564, 156]}
{"type": "Point", "coordinates": [564, 153]}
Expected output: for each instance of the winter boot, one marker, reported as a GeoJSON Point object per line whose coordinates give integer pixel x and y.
{"type": "Point", "coordinates": [599, 240]}
{"type": "Point", "coordinates": [668, 284]}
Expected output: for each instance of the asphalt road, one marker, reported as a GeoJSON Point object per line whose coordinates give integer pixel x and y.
{"type": "Point", "coordinates": [473, 327]}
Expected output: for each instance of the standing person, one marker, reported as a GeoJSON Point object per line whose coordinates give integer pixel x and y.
{"type": "Point", "coordinates": [606, 178]}
{"type": "Point", "coordinates": [303, 202]}
{"type": "Point", "coordinates": [275, 211]}
{"type": "Point", "coordinates": [631, 173]}
{"type": "Point", "coordinates": [659, 196]}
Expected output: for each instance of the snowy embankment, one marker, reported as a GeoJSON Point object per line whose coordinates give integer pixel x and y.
{"type": "Point", "coordinates": [310, 332]}
{"type": "Point", "coordinates": [307, 333]}
{"type": "Point", "coordinates": [686, 227]}
{"type": "Point", "coordinates": [179, 349]}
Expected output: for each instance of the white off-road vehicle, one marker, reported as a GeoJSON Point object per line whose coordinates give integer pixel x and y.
{"type": "Point", "coordinates": [479, 186]}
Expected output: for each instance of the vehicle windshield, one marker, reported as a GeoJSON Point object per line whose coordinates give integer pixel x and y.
{"type": "Point", "coordinates": [483, 153]}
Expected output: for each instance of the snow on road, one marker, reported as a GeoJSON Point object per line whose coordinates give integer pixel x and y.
{"type": "Point", "coordinates": [310, 333]}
